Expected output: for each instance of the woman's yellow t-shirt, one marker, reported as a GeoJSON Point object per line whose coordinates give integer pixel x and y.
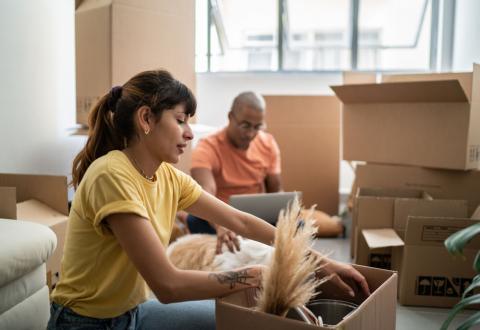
{"type": "Point", "coordinates": [97, 278]}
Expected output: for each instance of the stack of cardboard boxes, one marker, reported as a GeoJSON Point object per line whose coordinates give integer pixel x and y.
{"type": "Point", "coordinates": [420, 137]}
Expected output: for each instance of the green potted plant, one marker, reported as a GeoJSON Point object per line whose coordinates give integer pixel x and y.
{"type": "Point", "coordinates": [455, 245]}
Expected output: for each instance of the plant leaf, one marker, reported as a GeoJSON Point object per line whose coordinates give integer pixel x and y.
{"type": "Point", "coordinates": [457, 241]}
{"type": "Point", "coordinates": [476, 263]}
{"type": "Point", "coordinates": [475, 283]}
{"type": "Point", "coordinates": [472, 320]}
{"type": "Point", "coordinates": [475, 299]}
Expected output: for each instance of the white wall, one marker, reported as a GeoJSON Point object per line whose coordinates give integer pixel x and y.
{"type": "Point", "coordinates": [215, 91]}
{"type": "Point", "coordinates": [37, 87]}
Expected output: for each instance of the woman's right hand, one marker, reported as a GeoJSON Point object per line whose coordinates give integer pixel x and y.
{"type": "Point", "coordinates": [257, 272]}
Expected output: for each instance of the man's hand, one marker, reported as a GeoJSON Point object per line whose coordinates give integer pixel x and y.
{"type": "Point", "coordinates": [228, 237]}
{"type": "Point", "coordinates": [343, 274]}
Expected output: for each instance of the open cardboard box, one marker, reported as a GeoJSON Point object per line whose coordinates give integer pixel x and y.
{"type": "Point", "coordinates": [421, 120]}
{"type": "Point", "coordinates": [428, 274]}
{"type": "Point", "coordinates": [379, 210]}
{"type": "Point", "coordinates": [376, 212]}
{"type": "Point", "coordinates": [377, 312]}
{"type": "Point", "coordinates": [41, 199]}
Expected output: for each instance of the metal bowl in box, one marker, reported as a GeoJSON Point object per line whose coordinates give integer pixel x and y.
{"type": "Point", "coordinates": [331, 311]}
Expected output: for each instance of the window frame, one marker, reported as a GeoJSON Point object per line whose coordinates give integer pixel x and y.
{"type": "Point", "coordinates": [441, 30]}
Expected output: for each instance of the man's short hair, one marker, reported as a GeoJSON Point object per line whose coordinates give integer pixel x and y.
{"type": "Point", "coordinates": [250, 99]}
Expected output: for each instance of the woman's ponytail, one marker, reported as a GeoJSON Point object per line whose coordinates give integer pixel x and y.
{"type": "Point", "coordinates": [102, 136]}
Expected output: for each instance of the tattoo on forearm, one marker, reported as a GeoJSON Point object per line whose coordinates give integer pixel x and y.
{"type": "Point", "coordinates": [232, 278]}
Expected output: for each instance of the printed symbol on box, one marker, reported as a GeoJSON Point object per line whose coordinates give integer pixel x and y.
{"type": "Point", "coordinates": [464, 284]}
{"type": "Point", "coordinates": [474, 153]}
{"type": "Point", "coordinates": [424, 285]}
{"type": "Point", "coordinates": [438, 286]}
{"type": "Point", "coordinates": [450, 290]}
{"type": "Point", "coordinates": [380, 261]}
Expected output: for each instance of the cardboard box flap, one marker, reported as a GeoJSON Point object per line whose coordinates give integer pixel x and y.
{"type": "Point", "coordinates": [8, 202]}
{"type": "Point", "coordinates": [389, 192]}
{"type": "Point", "coordinates": [35, 210]}
{"type": "Point", "coordinates": [433, 231]}
{"type": "Point", "coordinates": [441, 184]}
{"type": "Point", "coordinates": [476, 214]}
{"type": "Point", "coordinates": [405, 207]}
{"type": "Point", "coordinates": [464, 78]}
{"type": "Point", "coordinates": [402, 92]}
{"type": "Point", "coordinates": [381, 238]}
{"type": "Point", "coordinates": [48, 189]}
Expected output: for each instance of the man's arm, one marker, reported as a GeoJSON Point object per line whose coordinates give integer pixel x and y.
{"type": "Point", "coordinates": [273, 183]}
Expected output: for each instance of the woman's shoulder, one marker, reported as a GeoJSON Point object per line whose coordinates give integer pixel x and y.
{"type": "Point", "coordinates": [113, 163]}
{"type": "Point", "coordinates": [169, 169]}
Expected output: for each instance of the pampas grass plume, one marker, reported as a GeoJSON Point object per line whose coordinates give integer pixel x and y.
{"type": "Point", "coordinates": [289, 281]}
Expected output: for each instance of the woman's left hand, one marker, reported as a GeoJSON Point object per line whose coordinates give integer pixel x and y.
{"type": "Point", "coordinates": [227, 237]}
{"type": "Point", "coordinates": [343, 274]}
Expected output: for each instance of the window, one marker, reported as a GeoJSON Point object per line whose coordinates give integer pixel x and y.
{"type": "Point", "coordinates": [243, 35]}
{"type": "Point", "coordinates": [316, 35]}
{"type": "Point", "coordinates": [397, 37]}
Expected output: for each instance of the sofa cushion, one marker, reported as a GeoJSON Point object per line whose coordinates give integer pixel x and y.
{"type": "Point", "coordinates": [25, 246]}
{"type": "Point", "coordinates": [16, 291]}
{"type": "Point", "coordinates": [31, 314]}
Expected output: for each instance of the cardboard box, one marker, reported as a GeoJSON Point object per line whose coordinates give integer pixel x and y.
{"type": "Point", "coordinates": [235, 312]}
{"type": "Point", "coordinates": [41, 199]}
{"type": "Point", "coordinates": [381, 216]}
{"type": "Point", "coordinates": [116, 39]}
{"type": "Point", "coordinates": [430, 276]}
{"type": "Point", "coordinates": [309, 143]}
{"type": "Point", "coordinates": [374, 208]}
{"type": "Point", "coordinates": [432, 123]}
{"type": "Point", "coordinates": [440, 184]}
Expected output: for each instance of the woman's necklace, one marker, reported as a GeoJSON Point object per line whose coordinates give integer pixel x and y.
{"type": "Point", "coordinates": [139, 169]}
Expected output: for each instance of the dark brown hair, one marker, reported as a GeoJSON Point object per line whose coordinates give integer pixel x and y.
{"type": "Point", "coordinates": [110, 121]}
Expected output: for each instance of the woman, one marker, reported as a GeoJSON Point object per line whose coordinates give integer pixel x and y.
{"type": "Point", "coordinates": [127, 194]}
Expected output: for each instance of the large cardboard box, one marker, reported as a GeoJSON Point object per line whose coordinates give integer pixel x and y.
{"type": "Point", "coordinates": [381, 215]}
{"type": "Point", "coordinates": [377, 312]}
{"type": "Point", "coordinates": [41, 199]}
{"type": "Point", "coordinates": [430, 276]}
{"type": "Point", "coordinates": [307, 129]}
{"type": "Point", "coordinates": [434, 122]}
{"type": "Point", "coordinates": [440, 184]}
{"type": "Point", "coordinates": [116, 39]}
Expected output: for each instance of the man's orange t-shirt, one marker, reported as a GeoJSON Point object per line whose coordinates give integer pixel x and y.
{"type": "Point", "coordinates": [238, 171]}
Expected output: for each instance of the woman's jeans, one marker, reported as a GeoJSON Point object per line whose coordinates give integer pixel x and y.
{"type": "Point", "coordinates": [199, 226]}
{"type": "Point", "coordinates": [149, 315]}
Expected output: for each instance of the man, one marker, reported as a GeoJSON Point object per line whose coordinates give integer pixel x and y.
{"type": "Point", "coordinates": [239, 159]}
